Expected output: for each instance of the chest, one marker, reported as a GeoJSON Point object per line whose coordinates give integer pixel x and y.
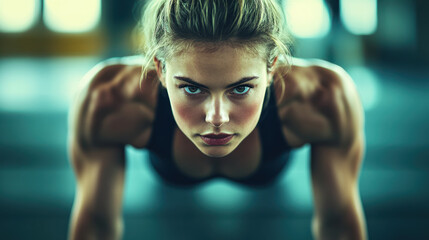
{"type": "Point", "coordinates": [242, 162]}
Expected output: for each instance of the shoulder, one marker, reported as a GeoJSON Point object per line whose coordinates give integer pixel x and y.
{"type": "Point", "coordinates": [107, 95]}
{"type": "Point", "coordinates": [109, 73]}
{"type": "Point", "coordinates": [339, 101]}
{"type": "Point", "coordinates": [321, 97]}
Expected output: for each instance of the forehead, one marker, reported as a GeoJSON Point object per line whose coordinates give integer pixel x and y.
{"type": "Point", "coordinates": [224, 62]}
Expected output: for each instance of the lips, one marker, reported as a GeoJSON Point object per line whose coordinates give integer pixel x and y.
{"type": "Point", "coordinates": [217, 136]}
{"type": "Point", "coordinates": [216, 139]}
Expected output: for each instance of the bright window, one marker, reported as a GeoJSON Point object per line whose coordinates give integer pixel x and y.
{"type": "Point", "coordinates": [72, 16]}
{"type": "Point", "coordinates": [307, 18]}
{"type": "Point", "coordinates": [18, 15]}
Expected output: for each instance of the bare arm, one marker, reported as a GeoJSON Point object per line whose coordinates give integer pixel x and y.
{"type": "Point", "coordinates": [101, 122]}
{"type": "Point", "coordinates": [338, 208]}
{"type": "Point", "coordinates": [97, 210]}
{"type": "Point", "coordinates": [99, 172]}
{"type": "Point", "coordinates": [335, 167]}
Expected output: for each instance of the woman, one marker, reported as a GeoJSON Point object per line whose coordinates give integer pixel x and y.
{"type": "Point", "coordinates": [218, 98]}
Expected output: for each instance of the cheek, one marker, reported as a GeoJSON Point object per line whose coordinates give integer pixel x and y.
{"type": "Point", "coordinates": [247, 113]}
{"type": "Point", "coordinates": [186, 113]}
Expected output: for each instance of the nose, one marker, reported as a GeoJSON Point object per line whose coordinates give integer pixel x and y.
{"type": "Point", "coordinates": [217, 112]}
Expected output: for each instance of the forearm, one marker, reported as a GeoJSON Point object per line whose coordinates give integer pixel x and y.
{"type": "Point", "coordinates": [344, 228]}
{"type": "Point", "coordinates": [84, 227]}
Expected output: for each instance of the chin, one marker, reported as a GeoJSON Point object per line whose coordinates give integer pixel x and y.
{"type": "Point", "coordinates": [217, 155]}
{"type": "Point", "coordinates": [216, 152]}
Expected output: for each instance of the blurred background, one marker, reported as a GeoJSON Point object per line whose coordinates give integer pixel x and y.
{"type": "Point", "coordinates": [46, 46]}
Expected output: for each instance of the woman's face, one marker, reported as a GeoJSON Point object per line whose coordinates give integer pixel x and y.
{"type": "Point", "coordinates": [219, 92]}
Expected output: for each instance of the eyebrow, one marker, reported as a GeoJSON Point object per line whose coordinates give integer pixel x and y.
{"type": "Point", "coordinates": [188, 80]}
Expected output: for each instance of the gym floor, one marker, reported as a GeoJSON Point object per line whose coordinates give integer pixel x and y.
{"type": "Point", "coordinates": [37, 184]}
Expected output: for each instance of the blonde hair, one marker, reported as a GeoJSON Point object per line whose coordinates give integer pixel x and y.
{"type": "Point", "coordinates": [172, 26]}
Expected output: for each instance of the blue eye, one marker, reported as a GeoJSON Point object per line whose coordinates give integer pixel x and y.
{"type": "Point", "coordinates": [191, 90]}
{"type": "Point", "coordinates": [241, 90]}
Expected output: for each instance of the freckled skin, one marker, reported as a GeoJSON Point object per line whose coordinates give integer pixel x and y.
{"type": "Point", "coordinates": [197, 114]}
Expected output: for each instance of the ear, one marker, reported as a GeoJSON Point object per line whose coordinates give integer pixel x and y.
{"type": "Point", "coordinates": [159, 66]}
{"type": "Point", "coordinates": [271, 71]}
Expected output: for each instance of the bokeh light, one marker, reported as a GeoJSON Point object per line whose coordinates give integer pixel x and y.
{"type": "Point", "coordinates": [359, 16]}
{"type": "Point", "coordinates": [307, 18]}
{"type": "Point", "coordinates": [18, 15]}
{"type": "Point", "coordinates": [72, 16]}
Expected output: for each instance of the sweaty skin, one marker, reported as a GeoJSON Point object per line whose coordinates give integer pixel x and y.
{"type": "Point", "coordinates": [319, 106]}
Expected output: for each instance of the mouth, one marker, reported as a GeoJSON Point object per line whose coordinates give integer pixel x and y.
{"type": "Point", "coordinates": [217, 139]}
